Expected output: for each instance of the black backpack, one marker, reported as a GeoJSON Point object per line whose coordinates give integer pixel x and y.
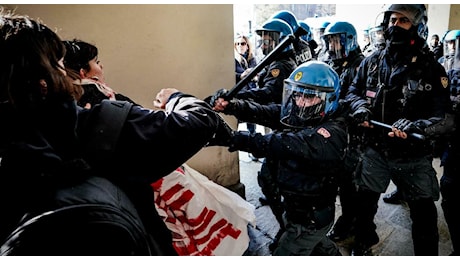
{"type": "Point", "coordinates": [93, 217]}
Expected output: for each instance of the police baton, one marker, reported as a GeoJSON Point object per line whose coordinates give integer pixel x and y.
{"type": "Point", "coordinates": [377, 123]}
{"type": "Point", "coordinates": [264, 62]}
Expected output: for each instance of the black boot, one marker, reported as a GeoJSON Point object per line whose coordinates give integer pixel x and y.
{"type": "Point", "coordinates": [393, 198]}
{"type": "Point", "coordinates": [363, 246]}
{"type": "Point", "coordinates": [343, 229]}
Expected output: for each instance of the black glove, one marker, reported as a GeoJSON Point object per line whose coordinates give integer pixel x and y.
{"type": "Point", "coordinates": [361, 114]}
{"type": "Point", "coordinates": [313, 44]}
{"type": "Point", "coordinates": [409, 126]}
{"type": "Point", "coordinates": [441, 126]}
{"type": "Point", "coordinates": [239, 141]}
{"type": "Point", "coordinates": [221, 93]}
{"type": "Point", "coordinates": [223, 135]}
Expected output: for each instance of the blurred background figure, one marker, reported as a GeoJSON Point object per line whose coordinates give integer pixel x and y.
{"type": "Point", "coordinates": [244, 62]}
{"type": "Point", "coordinates": [309, 38]}
{"type": "Point", "coordinates": [436, 46]}
{"type": "Point", "coordinates": [318, 32]}
{"type": "Point", "coordinates": [367, 42]}
{"type": "Point", "coordinates": [377, 37]}
{"type": "Point", "coordinates": [447, 60]}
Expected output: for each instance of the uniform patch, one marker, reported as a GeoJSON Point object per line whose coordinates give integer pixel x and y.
{"type": "Point", "coordinates": [370, 94]}
{"type": "Point", "coordinates": [444, 82]}
{"type": "Point", "coordinates": [275, 72]}
{"type": "Point", "coordinates": [298, 76]}
{"type": "Point", "coordinates": [322, 131]}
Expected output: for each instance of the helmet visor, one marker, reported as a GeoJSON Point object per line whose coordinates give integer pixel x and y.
{"type": "Point", "coordinates": [301, 105]}
{"type": "Point", "coordinates": [336, 45]}
{"type": "Point", "coordinates": [456, 47]}
{"type": "Point", "coordinates": [268, 41]}
{"type": "Point", "coordinates": [377, 37]}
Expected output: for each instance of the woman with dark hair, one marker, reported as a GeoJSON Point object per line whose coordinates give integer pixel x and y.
{"type": "Point", "coordinates": [83, 65]}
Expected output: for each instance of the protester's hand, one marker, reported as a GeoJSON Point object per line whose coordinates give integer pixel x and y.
{"type": "Point", "coordinates": [163, 96]}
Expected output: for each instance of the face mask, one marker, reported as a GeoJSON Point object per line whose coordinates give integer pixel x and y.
{"type": "Point", "coordinates": [396, 35]}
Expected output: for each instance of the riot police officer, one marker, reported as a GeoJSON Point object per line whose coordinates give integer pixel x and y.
{"type": "Point", "coordinates": [377, 38]}
{"type": "Point", "coordinates": [447, 60]}
{"type": "Point", "coordinates": [303, 52]}
{"type": "Point", "coordinates": [271, 79]}
{"type": "Point", "coordinates": [304, 154]}
{"type": "Point", "coordinates": [270, 90]}
{"type": "Point", "coordinates": [402, 86]}
{"type": "Point", "coordinates": [341, 44]}
{"type": "Point", "coordinates": [343, 51]}
{"type": "Point", "coordinates": [309, 38]}
{"type": "Point", "coordinates": [450, 180]}
{"type": "Point", "coordinates": [318, 31]}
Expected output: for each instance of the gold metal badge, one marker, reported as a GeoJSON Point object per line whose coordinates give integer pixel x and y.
{"type": "Point", "coordinates": [275, 72]}
{"type": "Point", "coordinates": [298, 76]}
{"type": "Point", "coordinates": [444, 82]}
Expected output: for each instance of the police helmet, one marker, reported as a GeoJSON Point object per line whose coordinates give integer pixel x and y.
{"type": "Point", "coordinates": [290, 19]}
{"type": "Point", "coordinates": [451, 36]}
{"type": "Point", "coordinates": [366, 32]}
{"type": "Point", "coordinates": [272, 33]}
{"type": "Point", "coordinates": [307, 37]}
{"type": "Point", "coordinates": [416, 13]}
{"type": "Point", "coordinates": [377, 37]}
{"type": "Point", "coordinates": [340, 39]}
{"type": "Point", "coordinates": [322, 25]}
{"type": "Point", "coordinates": [310, 94]}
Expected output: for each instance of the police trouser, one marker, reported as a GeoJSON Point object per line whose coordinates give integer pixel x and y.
{"type": "Point", "coordinates": [308, 237]}
{"type": "Point", "coordinates": [347, 187]}
{"type": "Point", "coordinates": [450, 190]}
{"type": "Point", "coordinates": [416, 179]}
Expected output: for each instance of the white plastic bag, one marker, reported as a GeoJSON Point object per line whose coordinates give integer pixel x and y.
{"type": "Point", "coordinates": [204, 217]}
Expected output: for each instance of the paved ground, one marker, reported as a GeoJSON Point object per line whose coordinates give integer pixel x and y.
{"type": "Point", "coordinates": [393, 222]}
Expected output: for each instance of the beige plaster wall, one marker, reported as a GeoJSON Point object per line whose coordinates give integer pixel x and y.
{"type": "Point", "coordinates": [148, 47]}
{"type": "Point", "coordinates": [454, 21]}
{"type": "Point", "coordinates": [438, 19]}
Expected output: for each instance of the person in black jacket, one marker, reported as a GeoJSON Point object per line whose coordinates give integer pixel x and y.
{"type": "Point", "coordinates": [401, 86]}
{"type": "Point", "coordinates": [450, 180]}
{"type": "Point", "coordinates": [271, 80]}
{"type": "Point", "coordinates": [436, 46]}
{"type": "Point", "coordinates": [245, 61]}
{"type": "Point", "coordinates": [341, 45]}
{"type": "Point", "coordinates": [303, 155]}
{"type": "Point", "coordinates": [46, 138]}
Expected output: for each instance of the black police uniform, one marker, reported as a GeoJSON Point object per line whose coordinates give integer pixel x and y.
{"type": "Point", "coordinates": [303, 52]}
{"type": "Point", "coordinates": [302, 166]}
{"type": "Point", "coordinates": [415, 88]}
{"type": "Point", "coordinates": [450, 180]}
{"type": "Point", "coordinates": [271, 82]}
{"type": "Point", "coordinates": [347, 69]}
